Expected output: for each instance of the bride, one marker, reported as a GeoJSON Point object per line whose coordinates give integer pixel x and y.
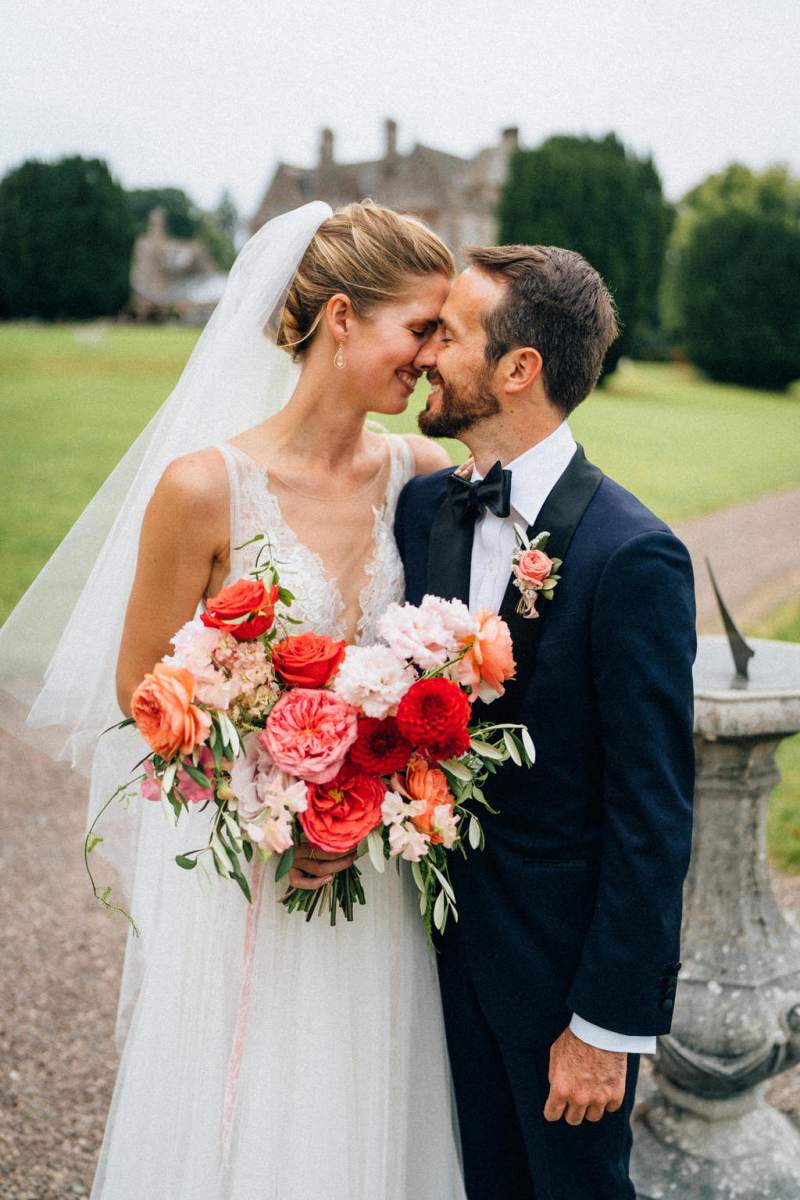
{"type": "Point", "coordinates": [266, 1058]}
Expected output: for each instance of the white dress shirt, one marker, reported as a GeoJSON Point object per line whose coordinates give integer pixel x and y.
{"type": "Point", "coordinates": [533, 476]}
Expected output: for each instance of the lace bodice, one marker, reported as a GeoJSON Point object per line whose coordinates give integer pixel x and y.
{"type": "Point", "coordinates": [319, 603]}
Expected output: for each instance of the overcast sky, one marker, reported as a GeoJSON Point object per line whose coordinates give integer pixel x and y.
{"type": "Point", "coordinates": [203, 94]}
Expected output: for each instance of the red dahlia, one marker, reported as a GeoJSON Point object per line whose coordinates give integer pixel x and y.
{"type": "Point", "coordinates": [433, 715]}
{"type": "Point", "coordinates": [380, 748]}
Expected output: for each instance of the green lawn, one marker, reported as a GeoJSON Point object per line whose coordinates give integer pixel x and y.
{"type": "Point", "coordinates": [783, 824]}
{"type": "Point", "coordinates": [72, 398]}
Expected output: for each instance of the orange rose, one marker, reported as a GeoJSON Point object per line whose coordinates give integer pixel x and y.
{"type": "Point", "coordinates": [429, 784]}
{"type": "Point", "coordinates": [164, 714]}
{"type": "Point", "coordinates": [307, 660]}
{"type": "Point", "coordinates": [489, 660]}
{"type": "Point", "coordinates": [245, 609]}
{"type": "Point", "coordinates": [342, 812]}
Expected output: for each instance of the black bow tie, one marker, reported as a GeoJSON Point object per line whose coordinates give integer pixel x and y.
{"type": "Point", "coordinates": [492, 492]}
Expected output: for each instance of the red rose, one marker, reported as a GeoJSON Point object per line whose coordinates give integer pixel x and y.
{"type": "Point", "coordinates": [342, 812]}
{"type": "Point", "coordinates": [307, 660]}
{"type": "Point", "coordinates": [433, 715]}
{"type": "Point", "coordinates": [380, 747]}
{"type": "Point", "coordinates": [246, 609]}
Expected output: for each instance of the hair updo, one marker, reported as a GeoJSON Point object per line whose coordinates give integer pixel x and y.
{"type": "Point", "coordinates": [365, 251]}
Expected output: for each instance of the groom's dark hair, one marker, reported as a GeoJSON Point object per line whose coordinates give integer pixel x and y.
{"type": "Point", "coordinates": [555, 302]}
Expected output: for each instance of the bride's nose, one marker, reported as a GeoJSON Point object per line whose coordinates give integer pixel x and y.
{"type": "Point", "coordinates": [426, 355]}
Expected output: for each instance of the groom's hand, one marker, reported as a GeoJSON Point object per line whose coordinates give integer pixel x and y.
{"type": "Point", "coordinates": [584, 1081]}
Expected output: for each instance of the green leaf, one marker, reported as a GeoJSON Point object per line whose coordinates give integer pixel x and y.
{"type": "Point", "coordinates": [234, 832]}
{"type": "Point", "coordinates": [486, 750]}
{"type": "Point", "coordinates": [93, 841]}
{"type": "Point", "coordinates": [197, 775]}
{"type": "Point", "coordinates": [527, 742]}
{"type": "Point", "coordinates": [423, 903]}
{"type": "Point", "coordinates": [285, 596]}
{"type": "Point", "coordinates": [169, 777]}
{"type": "Point", "coordinates": [416, 875]}
{"type": "Point", "coordinates": [438, 912]}
{"type": "Point", "coordinates": [375, 849]}
{"type": "Point", "coordinates": [457, 769]}
{"type": "Point", "coordinates": [188, 864]}
{"type": "Point", "coordinates": [474, 833]}
{"type": "Point", "coordinates": [444, 882]}
{"type": "Point", "coordinates": [285, 864]}
{"type": "Point", "coordinates": [247, 850]}
{"type": "Point", "coordinates": [511, 747]}
{"type": "Point", "coordinates": [243, 884]}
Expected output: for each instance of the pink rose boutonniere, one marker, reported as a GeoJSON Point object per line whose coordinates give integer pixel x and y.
{"type": "Point", "coordinates": [534, 572]}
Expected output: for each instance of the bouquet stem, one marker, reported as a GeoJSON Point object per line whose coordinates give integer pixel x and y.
{"type": "Point", "coordinates": [343, 892]}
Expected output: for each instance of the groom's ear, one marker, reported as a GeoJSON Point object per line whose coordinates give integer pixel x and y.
{"type": "Point", "coordinates": [522, 368]}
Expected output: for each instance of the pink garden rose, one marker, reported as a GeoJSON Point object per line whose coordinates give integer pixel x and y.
{"type": "Point", "coordinates": [533, 567]}
{"type": "Point", "coordinates": [309, 732]}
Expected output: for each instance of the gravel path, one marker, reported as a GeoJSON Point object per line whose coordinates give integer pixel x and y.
{"type": "Point", "coordinates": [754, 553]}
{"type": "Point", "coordinates": [61, 954]}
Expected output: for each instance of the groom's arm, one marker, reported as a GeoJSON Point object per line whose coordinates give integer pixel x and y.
{"type": "Point", "coordinates": [643, 646]}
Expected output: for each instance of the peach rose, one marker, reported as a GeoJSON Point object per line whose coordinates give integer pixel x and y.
{"type": "Point", "coordinates": [489, 659]}
{"type": "Point", "coordinates": [428, 784]}
{"type": "Point", "coordinates": [309, 732]}
{"type": "Point", "coordinates": [164, 714]}
{"type": "Point", "coordinates": [533, 568]}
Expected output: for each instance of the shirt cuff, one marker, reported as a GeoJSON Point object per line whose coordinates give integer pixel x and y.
{"type": "Point", "coordinates": [606, 1039]}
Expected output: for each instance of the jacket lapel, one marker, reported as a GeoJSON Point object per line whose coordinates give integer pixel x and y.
{"type": "Point", "coordinates": [560, 515]}
{"type": "Point", "coordinates": [450, 554]}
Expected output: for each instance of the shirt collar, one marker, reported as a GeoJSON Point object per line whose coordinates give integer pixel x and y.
{"type": "Point", "coordinates": [535, 472]}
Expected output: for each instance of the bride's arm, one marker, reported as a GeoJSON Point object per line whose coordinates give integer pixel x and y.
{"type": "Point", "coordinates": [184, 538]}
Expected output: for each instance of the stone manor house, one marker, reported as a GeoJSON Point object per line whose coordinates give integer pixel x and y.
{"type": "Point", "coordinates": [176, 278]}
{"type": "Point", "coordinates": [456, 196]}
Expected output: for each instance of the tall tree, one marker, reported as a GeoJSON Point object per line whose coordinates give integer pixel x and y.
{"type": "Point", "coordinates": [66, 239]}
{"type": "Point", "coordinates": [594, 196]}
{"type": "Point", "coordinates": [732, 289]}
{"type": "Point", "coordinates": [182, 214]}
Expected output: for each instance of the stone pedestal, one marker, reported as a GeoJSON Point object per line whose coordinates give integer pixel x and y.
{"type": "Point", "coordinates": [704, 1132]}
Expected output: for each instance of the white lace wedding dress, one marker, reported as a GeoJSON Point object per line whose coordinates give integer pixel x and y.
{"type": "Point", "coordinates": [344, 1091]}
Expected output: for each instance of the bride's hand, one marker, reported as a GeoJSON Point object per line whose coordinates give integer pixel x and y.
{"type": "Point", "coordinates": [313, 868]}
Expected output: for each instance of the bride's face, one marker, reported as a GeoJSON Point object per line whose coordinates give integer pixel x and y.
{"type": "Point", "coordinates": [381, 347]}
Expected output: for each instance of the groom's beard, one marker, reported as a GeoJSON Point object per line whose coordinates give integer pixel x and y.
{"type": "Point", "coordinates": [458, 411]}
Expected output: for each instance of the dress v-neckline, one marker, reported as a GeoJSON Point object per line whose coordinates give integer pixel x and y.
{"type": "Point", "coordinates": [371, 563]}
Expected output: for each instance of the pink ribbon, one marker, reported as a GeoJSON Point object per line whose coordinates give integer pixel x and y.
{"type": "Point", "coordinates": [245, 991]}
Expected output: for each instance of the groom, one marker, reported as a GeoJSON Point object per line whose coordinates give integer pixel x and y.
{"type": "Point", "coordinates": [563, 965]}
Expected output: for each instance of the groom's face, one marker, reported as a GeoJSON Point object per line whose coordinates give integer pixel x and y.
{"type": "Point", "coordinates": [455, 361]}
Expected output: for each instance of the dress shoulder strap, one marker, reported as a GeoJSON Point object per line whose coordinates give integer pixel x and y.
{"type": "Point", "coordinates": [402, 459]}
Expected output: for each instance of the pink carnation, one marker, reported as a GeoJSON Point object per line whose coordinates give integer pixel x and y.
{"type": "Point", "coordinates": [373, 679]}
{"type": "Point", "coordinates": [428, 633]}
{"type": "Point", "coordinates": [309, 732]}
{"type": "Point", "coordinates": [200, 650]}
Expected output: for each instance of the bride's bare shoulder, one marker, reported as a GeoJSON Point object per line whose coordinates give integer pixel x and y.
{"type": "Point", "coordinates": [428, 455]}
{"type": "Point", "coordinates": [198, 481]}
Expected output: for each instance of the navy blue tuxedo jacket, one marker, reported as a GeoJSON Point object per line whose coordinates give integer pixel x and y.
{"type": "Point", "coordinates": [575, 903]}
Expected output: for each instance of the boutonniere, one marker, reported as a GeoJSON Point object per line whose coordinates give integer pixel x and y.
{"type": "Point", "coordinates": [534, 572]}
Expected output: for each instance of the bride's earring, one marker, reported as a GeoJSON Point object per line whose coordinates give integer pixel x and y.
{"type": "Point", "coordinates": [338, 358]}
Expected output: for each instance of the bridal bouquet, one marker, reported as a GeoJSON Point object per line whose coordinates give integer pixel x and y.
{"type": "Point", "coordinates": [296, 737]}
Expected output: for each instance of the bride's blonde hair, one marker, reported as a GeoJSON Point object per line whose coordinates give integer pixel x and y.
{"type": "Point", "coordinates": [365, 251]}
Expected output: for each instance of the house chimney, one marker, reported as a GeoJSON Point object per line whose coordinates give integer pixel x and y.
{"type": "Point", "coordinates": [390, 127]}
{"type": "Point", "coordinates": [510, 139]}
{"type": "Point", "coordinates": [326, 148]}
